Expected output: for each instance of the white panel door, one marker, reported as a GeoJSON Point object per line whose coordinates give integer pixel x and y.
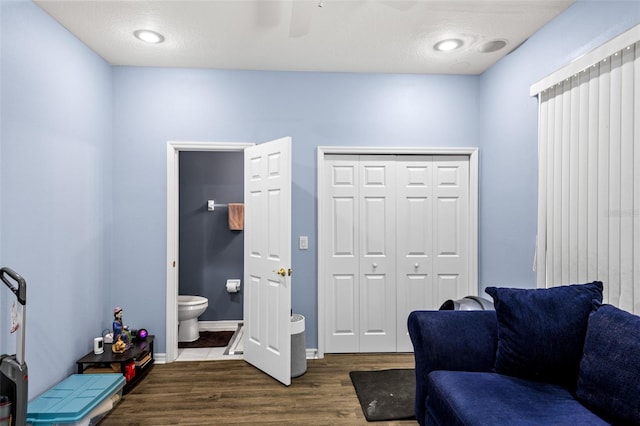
{"type": "Point", "coordinates": [414, 241]}
{"type": "Point", "coordinates": [451, 229]}
{"type": "Point", "coordinates": [267, 233]}
{"type": "Point", "coordinates": [377, 223]}
{"type": "Point", "coordinates": [399, 242]}
{"type": "Point", "coordinates": [342, 270]}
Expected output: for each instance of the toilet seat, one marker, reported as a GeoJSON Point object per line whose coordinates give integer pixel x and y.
{"type": "Point", "coordinates": [186, 300]}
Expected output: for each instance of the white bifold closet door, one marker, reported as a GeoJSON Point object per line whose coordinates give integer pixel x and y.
{"type": "Point", "coordinates": [432, 235]}
{"type": "Point", "coordinates": [398, 243]}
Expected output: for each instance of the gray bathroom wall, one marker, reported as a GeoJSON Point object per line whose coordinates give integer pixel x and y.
{"type": "Point", "coordinates": [210, 253]}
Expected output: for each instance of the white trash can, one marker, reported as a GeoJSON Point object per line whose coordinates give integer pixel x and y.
{"type": "Point", "coordinates": [298, 346]}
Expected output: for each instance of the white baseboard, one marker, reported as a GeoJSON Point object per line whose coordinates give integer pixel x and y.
{"type": "Point", "coordinates": [226, 325]}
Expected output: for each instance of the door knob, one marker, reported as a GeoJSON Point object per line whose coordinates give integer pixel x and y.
{"type": "Point", "coordinates": [375, 265]}
{"type": "Point", "coordinates": [417, 265]}
{"type": "Point", "coordinates": [283, 272]}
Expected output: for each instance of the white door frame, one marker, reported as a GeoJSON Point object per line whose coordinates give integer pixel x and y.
{"type": "Point", "coordinates": [173, 150]}
{"type": "Point", "coordinates": [472, 153]}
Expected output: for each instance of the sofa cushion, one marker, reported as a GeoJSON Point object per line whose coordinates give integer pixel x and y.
{"type": "Point", "coordinates": [609, 376]}
{"type": "Point", "coordinates": [468, 398]}
{"type": "Point", "coordinates": [450, 340]}
{"type": "Point", "coordinates": [541, 331]}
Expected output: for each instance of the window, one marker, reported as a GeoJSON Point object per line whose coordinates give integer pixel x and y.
{"type": "Point", "coordinates": [589, 172]}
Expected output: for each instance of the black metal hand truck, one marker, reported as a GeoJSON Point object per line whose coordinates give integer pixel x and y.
{"type": "Point", "coordinates": [13, 368]}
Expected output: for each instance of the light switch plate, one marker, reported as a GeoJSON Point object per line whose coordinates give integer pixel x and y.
{"type": "Point", "coordinates": [304, 242]}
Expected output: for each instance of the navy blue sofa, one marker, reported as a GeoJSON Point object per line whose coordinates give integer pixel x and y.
{"type": "Point", "coordinates": [543, 357]}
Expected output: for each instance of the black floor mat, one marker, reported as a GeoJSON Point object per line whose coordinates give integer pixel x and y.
{"type": "Point", "coordinates": [209, 339]}
{"type": "Point", "coordinates": [386, 394]}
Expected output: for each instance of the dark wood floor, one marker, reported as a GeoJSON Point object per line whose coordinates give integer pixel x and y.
{"type": "Point", "coordinates": [235, 393]}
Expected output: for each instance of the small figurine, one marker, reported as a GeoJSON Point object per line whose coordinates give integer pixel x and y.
{"type": "Point", "coordinates": [120, 331]}
{"type": "Point", "coordinates": [119, 346]}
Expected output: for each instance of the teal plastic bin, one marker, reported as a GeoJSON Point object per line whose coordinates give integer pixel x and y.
{"type": "Point", "coordinates": [80, 399]}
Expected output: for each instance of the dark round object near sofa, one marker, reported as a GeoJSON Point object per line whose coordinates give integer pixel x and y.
{"type": "Point", "coordinates": [468, 303]}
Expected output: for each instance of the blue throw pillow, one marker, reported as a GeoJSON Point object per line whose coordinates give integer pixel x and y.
{"type": "Point", "coordinates": [541, 331]}
{"type": "Point", "coordinates": [609, 377]}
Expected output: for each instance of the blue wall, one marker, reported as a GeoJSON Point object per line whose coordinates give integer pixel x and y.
{"type": "Point", "coordinates": [210, 253]}
{"type": "Point", "coordinates": [55, 194]}
{"type": "Point", "coordinates": [153, 106]}
{"type": "Point", "coordinates": [508, 117]}
{"type": "Point", "coordinates": [83, 162]}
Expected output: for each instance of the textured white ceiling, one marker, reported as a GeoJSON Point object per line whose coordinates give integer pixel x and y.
{"type": "Point", "coordinates": [394, 36]}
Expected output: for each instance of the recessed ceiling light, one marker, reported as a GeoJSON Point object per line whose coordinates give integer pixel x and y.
{"type": "Point", "coordinates": [492, 46]}
{"type": "Point", "coordinates": [149, 36]}
{"type": "Point", "coordinates": [448, 45]}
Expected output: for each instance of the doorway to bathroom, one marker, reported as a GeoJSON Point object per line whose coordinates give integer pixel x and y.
{"type": "Point", "coordinates": [208, 177]}
{"type": "Point", "coordinates": [210, 252]}
{"type": "Point", "coordinates": [267, 252]}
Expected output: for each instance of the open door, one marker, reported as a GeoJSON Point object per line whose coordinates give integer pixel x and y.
{"type": "Point", "coordinates": [267, 258]}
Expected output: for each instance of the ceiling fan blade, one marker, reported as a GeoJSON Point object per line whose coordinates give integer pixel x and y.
{"type": "Point", "coordinates": [301, 14]}
{"type": "Point", "coordinates": [268, 13]}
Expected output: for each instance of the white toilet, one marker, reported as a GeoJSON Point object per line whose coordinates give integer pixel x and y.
{"type": "Point", "coordinates": [189, 309]}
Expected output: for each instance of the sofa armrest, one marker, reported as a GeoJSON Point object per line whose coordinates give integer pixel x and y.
{"type": "Point", "coordinates": [450, 340]}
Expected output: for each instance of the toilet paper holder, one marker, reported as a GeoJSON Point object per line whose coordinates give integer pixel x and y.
{"type": "Point", "coordinates": [233, 286]}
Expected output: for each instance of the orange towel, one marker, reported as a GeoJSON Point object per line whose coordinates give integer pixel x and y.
{"type": "Point", "coordinates": [236, 216]}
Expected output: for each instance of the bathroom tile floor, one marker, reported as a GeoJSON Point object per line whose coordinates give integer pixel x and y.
{"type": "Point", "coordinates": [231, 351]}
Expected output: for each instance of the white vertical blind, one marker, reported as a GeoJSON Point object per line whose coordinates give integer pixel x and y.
{"type": "Point", "coordinates": [589, 172]}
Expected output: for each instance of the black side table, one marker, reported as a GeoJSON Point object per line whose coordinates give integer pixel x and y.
{"type": "Point", "coordinates": [140, 353]}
